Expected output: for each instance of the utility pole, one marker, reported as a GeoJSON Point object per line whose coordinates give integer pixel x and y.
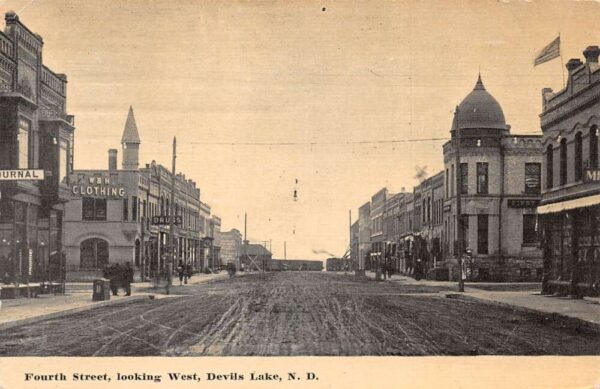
{"type": "Point", "coordinates": [172, 257]}
{"type": "Point", "coordinates": [245, 243]}
{"type": "Point", "coordinates": [284, 249]}
{"type": "Point", "coordinates": [459, 221]}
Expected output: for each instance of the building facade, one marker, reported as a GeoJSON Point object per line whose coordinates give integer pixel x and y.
{"type": "Point", "coordinates": [377, 236]}
{"type": "Point", "coordinates": [364, 235]}
{"type": "Point", "coordinates": [122, 215]}
{"type": "Point", "coordinates": [569, 211]}
{"type": "Point", "coordinates": [500, 190]}
{"type": "Point", "coordinates": [231, 247]}
{"type": "Point", "coordinates": [35, 133]}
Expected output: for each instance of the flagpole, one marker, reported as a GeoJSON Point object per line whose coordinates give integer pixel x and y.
{"type": "Point", "coordinates": [562, 64]}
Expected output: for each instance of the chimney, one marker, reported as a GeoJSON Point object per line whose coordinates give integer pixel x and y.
{"type": "Point", "coordinates": [573, 64]}
{"type": "Point", "coordinates": [112, 159]}
{"type": "Point", "coordinates": [591, 54]}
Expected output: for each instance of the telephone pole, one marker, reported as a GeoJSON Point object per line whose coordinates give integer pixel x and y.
{"type": "Point", "coordinates": [459, 221]}
{"type": "Point", "coordinates": [172, 257]}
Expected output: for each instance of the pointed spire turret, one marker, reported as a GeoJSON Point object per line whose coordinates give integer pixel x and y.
{"type": "Point", "coordinates": [130, 133]}
{"type": "Point", "coordinates": [479, 84]}
{"type": "Point", "coordinates": [131, 143]}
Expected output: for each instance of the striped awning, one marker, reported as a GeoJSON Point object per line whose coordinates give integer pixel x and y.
{"type": "Point", "coordinates": [569, 204]}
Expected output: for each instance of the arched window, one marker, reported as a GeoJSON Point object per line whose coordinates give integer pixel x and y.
{"type": "Point", "coordinates": [578, 157]}
{"type": "Point", "coordinates": [549, 167]}
{"type": "Point", "coordinates": [563, 161]}
{"type": "Point", "coordinates": [594, 147]}
{"type": "Point", "coordinates": [93, 253]}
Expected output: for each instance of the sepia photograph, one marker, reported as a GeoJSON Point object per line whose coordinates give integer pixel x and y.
{"type": "Point", "coordinates": [309, 179]}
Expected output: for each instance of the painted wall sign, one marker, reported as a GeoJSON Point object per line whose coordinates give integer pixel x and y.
{"type": "Point", "coordinates": [98, 187]}
{"type": "Point", "coordinates": [591, 175]}
{"type": "Point", "coordinates": [21, 174]}
{"type": "Point", "coordinates": [523, 203]}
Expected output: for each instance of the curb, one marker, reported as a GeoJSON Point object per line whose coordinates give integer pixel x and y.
{"type": "Point", "coordinates": [53, 315]}
{"type": "Point", "coordinates": [585, 323]}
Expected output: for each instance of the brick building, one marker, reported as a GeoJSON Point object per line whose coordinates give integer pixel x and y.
{"type": "Point", "coordinates": [500, 191]}
{"type": "Point", "coordinates": [569, 210]}
{"type": "Point", "coordinates": [117, 215]}
{"type": "Point", "coordinates": [35, 133]}
{"type": "Point", "coordinates": [364, 235]}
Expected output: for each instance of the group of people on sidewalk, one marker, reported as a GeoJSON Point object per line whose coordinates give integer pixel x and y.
{"type": "Point", "coordinates": [120, 277]}
{"type": "Point", "coordinates": [184, 271]}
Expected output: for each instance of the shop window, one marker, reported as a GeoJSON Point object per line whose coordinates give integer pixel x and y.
{"type": "Point", "coordinates": [464, 178]}
{"type": "Point", "coordinates": [482, 178]}
{"type": "Point", "coordinates": [533, 173]}
{"type": "Point", "coordinates": [549, 167]}
{"type": "Point", "coordinates": [578, 157]}
{"type": "Point", "coordinates": [529, 233]}
{"type": "Point", "coordinates": [525, 272]}
{"type": "Point", "coordinates": [482, 234]}
{"type": "Point", "coordinates": [125, 209]}
{"type": "Point", "coordinates": [93, 208]}
{"type": "Point", "coordinates": [563, 161]}
{"type": "Point", "coordinates": [594, 147]}
{"type": "Point", "coordinates": [465, 231]}
{"type": "Point", "coordinates": [93, 253]}
{"type": "Point", "coordinates": [23, 143]}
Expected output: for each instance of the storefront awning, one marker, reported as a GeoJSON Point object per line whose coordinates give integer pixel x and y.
{"type": "Point", "coordinates": [569, 204]}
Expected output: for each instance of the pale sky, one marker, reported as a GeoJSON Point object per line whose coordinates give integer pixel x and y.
{"type": "Point", "coordinates": [270, 72]}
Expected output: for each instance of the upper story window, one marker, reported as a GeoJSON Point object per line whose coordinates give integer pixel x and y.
{"type": "Point", "coordinates": [447, 194]}
{"type": "Point", "coordinates": [23, 140]}
{"type": "Point", "coordinates": [578, 157]}
{"type": "Point", "coordinates": [464, 178]}
{"type": "Point", "coordinates": [533, 172]}
{"type": "Point", "coordinates": [93, 208]}
{"type": "Point", "coordinates": [482, 178]}
{"type": "Point", "coordinates": [563, 161]}
{"type": "Point", "coordinates": [63, 162]}
{"type": "Point", "coordinates": [594, 147]}
{"type": "Point", "coordinates": [125, 209]}
{"type": "Point", "coordinates": [549, 167]}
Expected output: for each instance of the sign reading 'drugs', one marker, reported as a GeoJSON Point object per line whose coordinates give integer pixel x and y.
{"type": "Point", "coordinates": [98, 187]}
{"type": "Point", "coordinates": [165, 220]}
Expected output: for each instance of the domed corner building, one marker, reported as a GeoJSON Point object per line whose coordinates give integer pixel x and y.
{"type": "Point", "coordinates": [500, 190]}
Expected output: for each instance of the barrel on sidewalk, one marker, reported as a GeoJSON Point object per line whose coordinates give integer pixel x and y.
{"type": "Point", "coordinates": [101, 290]}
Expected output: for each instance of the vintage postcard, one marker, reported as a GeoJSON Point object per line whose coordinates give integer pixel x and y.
{"type": "Point", "coordinates": [299, 193]}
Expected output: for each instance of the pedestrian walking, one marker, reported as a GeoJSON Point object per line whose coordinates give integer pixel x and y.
{"type": "Point", "coordinates": [114, 275]}
{"type": "Point", "coordinates": [188, 270]}
{"type": "Point", "coordinates": [127, 278]}
{"type": "Point", "coordinates": [180, 272]}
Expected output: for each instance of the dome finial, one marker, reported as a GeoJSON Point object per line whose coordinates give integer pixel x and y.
{"type": "Point", "coordinates": [479, 84]}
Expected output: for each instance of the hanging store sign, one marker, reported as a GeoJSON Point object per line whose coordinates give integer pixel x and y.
{"type": "Point", "coordinates": [21, 174]}
{"type": "Point", "coordinates": [591, 175]}
{"type": "Point", "coordinates": [523, 203]}
{"type": "Point", "coordinates": [166, 220]}
{"type": "Point", "coordinates": [98, 187]}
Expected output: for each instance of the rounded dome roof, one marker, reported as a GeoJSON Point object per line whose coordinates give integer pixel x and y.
{"type": "Point", "coordinates": [479, 110]}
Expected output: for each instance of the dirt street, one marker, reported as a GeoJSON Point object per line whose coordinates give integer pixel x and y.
{"type": "Point", "coordinates": [303, 313]}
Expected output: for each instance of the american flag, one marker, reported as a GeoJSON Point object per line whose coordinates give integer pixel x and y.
{"type": "Point", "coordinates": [549, 52]}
